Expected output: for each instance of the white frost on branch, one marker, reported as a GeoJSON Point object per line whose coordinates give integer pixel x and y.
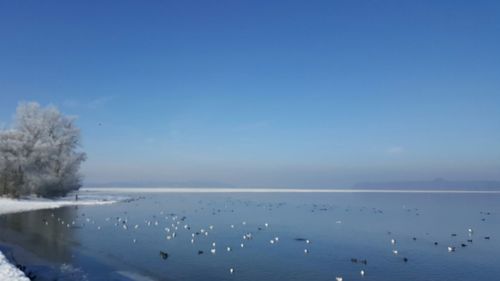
{"type": "Point", "coordinates": [39, 155]}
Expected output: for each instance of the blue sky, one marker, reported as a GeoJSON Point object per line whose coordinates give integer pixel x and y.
{"type": "Point", "coordinates": [264, 93]}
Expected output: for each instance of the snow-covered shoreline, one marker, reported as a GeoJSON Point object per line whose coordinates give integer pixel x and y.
{"type": "Point", "coordinates": [8, 205]}
{"type": "Point", "coordinates": [9, 272]}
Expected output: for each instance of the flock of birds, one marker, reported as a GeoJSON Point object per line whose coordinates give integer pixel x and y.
{"type": "Point", "coordinates": [174, 224]}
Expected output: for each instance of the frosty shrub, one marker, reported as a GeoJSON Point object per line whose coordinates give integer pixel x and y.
{"type": "Point", "coordinates": [38, 154]}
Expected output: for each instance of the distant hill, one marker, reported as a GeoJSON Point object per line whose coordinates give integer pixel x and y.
{"type": "Point", "coordinates": [434, 184]}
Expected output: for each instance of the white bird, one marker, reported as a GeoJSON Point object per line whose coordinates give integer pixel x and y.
{"type": "Point", "coordinates": [276, 238]}
{"type": "Point", "coordinates": [228, 249]}
{"type": "Point", "coordinates": [306, 251]}
{"type": "Point", "coordinates": [134, 240]}
{"type": "Point", "coordinates": [242, 245]}
{"type": "Point", "coordinates": [339, 279]}
{"type": "Point", "coordinates": [211, 227]}
{"type": "Point", "coordinates": [393, 241]}
{"type": "Point", "coordinates": [266, 224]}
{"type": "Point", "coordinates": [307, 241]}
{"type": "Point", "coordinates": [271, 241]}
{"type": "Point", "coordinates": [395, 252]}
{"type": "Point", "coordinates": [451, 249]}
{"type": "Point", "coordinates": [362, 272]}
{"type": "Point", "coordinates": [212, 251]}
{"type": "Point", "coordinates": [192, 241]}
{"type": "Point", "coordinates": [231, 270]}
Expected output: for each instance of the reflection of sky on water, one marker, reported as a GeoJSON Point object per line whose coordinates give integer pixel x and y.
{"type": "Point", "coordinates": [47, 240]}
{"type": "Point", "coordinates": [340, 227]}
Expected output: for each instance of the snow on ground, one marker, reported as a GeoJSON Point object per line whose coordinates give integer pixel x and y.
{"type": "Point", "coordinates": [8, 205]}
{"type": "Point", "coordinates": [8, 272]}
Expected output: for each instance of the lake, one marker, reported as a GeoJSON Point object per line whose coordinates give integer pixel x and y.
{"type": "Point", "coordinates": [271, 236]}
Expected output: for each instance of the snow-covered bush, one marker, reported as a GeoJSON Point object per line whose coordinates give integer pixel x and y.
{"type": "Point", "coordinates": [39, 155]}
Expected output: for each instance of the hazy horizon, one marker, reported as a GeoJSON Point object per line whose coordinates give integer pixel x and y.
{"type": "Point", "coordinates": [432, 185]}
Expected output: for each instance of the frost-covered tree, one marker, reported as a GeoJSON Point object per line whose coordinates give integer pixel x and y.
{"type": "Point", "coordinates": [11, 176]}
{"type": "Point", "coordinates": [39, 154]}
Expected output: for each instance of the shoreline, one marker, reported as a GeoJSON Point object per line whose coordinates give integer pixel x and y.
{"type": "Point", "coordinates": [8, 271]}
{"type": "Point", "coordinates": [10, 205]}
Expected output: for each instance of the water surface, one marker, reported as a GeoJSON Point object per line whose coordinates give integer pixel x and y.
{"type": "Point", "coordinates": [123, 241]}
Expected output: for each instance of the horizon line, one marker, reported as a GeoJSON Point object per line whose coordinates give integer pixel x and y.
{"type": "Point", "coordinates": [276, 190]}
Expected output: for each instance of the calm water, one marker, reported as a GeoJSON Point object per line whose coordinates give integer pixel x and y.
{"type": "Point", "coordinates": [340, 227]}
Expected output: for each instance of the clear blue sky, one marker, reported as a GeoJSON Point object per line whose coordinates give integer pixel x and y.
{"type": "Point", "coordinates": [264, 93]}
